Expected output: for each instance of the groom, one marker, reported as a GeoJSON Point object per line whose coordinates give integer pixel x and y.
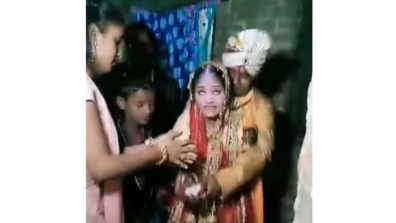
{"type": "Point", "coordinates": [245, 54]}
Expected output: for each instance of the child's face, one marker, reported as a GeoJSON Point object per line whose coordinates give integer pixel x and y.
{"type": "Point", "coordinates": [139, 106]}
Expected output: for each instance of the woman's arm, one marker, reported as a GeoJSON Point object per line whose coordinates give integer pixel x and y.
{"type": "Point", "coordinates": [251, 162]}
{"type": "Point", "coordinates": [101, 164]}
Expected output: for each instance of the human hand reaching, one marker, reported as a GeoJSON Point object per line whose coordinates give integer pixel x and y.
{"type": "Point", "coordinates": [211, 188]}
{"type": "Point", "coordinates": [193, 194]}
{"type": "Point", "coordinates": [180, 152]}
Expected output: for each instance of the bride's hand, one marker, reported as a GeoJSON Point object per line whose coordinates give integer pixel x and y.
{"type": "Point", "coordinates": [180, 152]}
{"type": "Point", "coordinates": [210, 188]}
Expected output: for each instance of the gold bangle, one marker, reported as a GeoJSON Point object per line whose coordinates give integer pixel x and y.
{"type": "Point", "coordinates": [150, 143]}
{"type": "Point", "coordinates": [164, 156]}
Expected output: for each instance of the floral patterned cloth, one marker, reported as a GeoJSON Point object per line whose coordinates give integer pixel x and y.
{"type": "Point", "coordinates": [185, 37]}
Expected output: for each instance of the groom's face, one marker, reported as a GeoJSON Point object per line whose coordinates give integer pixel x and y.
{"type": "Point", "coordinates": [241, 80]}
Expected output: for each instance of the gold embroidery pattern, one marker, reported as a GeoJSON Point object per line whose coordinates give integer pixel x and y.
{"type": "Point", "coordinates": [234, 135]}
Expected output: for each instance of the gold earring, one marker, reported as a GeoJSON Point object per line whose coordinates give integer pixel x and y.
{"type": "Point", "coordinates": [93, 51]}
{"type": "Point", "coordinates": [93, 48]}
{"type": "Point", "coordinates": [117, 59]}
{"type": "Point", "coordinates": [118, 55]}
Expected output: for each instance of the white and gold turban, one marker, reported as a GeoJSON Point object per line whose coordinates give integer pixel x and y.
{"type": "Point", "coordinates": [249, 49]}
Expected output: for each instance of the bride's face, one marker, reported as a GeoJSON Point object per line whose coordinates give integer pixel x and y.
{"type": "Point", "coordinates": [209, 95]}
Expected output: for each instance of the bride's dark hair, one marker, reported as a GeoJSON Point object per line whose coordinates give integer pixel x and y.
{"type": "Point", "coordinates": [221, 76]}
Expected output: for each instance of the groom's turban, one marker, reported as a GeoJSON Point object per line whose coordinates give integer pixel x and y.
{"type": "Point", "coordinates": [249, 49]}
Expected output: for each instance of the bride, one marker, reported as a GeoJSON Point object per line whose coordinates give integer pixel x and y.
{"type": "Point", "coordinates": [208, 121]}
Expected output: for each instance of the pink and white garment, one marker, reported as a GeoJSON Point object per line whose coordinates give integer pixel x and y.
{"type": "Point", "coordinates": [303, 203]}
{"type": "Point", "coordinates": [103, 206]}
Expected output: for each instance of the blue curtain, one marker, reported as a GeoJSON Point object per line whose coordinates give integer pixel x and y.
{"type": "Point", "coordinates": [185, 36]}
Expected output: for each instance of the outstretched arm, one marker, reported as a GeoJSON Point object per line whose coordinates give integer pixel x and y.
{"type": "Point", "coordinates": [251, 162]}
{"type": "Point", "coordinates": [103, 165]}
{"type": "Point", "coordinates": [100, 162]}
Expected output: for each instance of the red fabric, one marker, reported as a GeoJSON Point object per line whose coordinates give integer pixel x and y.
{"type": "Point", "coordinates": [198, 132]}
{"type": "Point", "coordinates": [230, 211]}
